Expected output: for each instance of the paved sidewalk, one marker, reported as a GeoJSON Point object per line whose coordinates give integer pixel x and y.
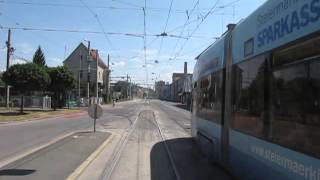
{"type": "Point", "coordinates": [56, 161]}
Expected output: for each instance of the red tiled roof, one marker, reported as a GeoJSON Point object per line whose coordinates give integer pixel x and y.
{"type": "Point", "coordinates": [93, 54]}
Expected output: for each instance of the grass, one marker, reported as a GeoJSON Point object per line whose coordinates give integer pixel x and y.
{"type": "Point", "coordinates": [15, 115]}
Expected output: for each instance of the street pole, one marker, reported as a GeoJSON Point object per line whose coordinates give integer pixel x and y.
{"type": "Point", "coordinates": [97, 92]}
{"type": "Point", "coordinates": [79, 78]}
{"type": "Point", "coordinates": [127, 86]}
{"type": "Point", "coordinates": [8, 64]}
{"type": "Point", "coordinates": [88, 75]}
{"type": "Point", "coordinates": [130, 89]}
{"type": "Point", "coordinates": [97, 85]}
{"type": "Point", "coordinates": [108, 79]}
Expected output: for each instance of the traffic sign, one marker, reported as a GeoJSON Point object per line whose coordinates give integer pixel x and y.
{"type": "Point", "coordinates": [95, 111]}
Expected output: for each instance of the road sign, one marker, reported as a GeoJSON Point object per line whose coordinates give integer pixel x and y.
{"type": "Point", "coordinates": [95, 111]}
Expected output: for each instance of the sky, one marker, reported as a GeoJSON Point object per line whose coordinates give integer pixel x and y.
{"type": "Point", "coordinates": [189, 31]}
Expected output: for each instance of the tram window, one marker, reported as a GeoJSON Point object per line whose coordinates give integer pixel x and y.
{"type": "Point", "coordinates": [248, 97]}
{"type": "Point", "coordinates": [210, 98]}
{"type": "Point", "coordinates": [296, 109]}
{"type": "Point", "coordinates": [249, 47]}
{"type": "Point", "coordinates": [280, 102]}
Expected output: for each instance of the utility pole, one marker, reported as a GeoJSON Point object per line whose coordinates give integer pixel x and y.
{"type": "Point", "coordinates": [108, 79]}
{"type": "Point", "coordinates": [79, 77]}
{"type": "Point", "coordinates": [127, 86]}
{"type": "Point", "coordinates": [9, 50]}
{"type": "Point", "coordinates": [97, 85]}
{"type": "Point", "coordinates": [130, 89]}
{"type": "Point", "coordinates": [88, 75]}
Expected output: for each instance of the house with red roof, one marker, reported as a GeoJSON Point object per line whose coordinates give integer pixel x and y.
{"type": "Point", "coordinates": [83, 63]}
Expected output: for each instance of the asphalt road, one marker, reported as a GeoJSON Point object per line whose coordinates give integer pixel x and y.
{"type": "Point", "coordinates": [160, 147]}
{"type": "Point", "coordinates": [157, 143]}
{"type": "Point", "coordinates": [17, 138]}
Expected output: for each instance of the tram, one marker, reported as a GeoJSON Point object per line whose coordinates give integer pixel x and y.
{"type": "Point", "coordinates": [256, 94]}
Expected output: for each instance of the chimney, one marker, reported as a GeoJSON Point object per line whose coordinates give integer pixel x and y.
{"type": "Point", "coordinates": [185, 68]}
{"type": "Point", "coordinates": [231, 27]}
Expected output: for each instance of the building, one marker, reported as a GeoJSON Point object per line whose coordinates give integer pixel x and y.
{"type": "Point", "coordinates": [181, 86]}
{"type": "Point", "coordinates": [159, 89]}
{"type": "Point", "coordinates": [179, 90]}
{"type": "Point", "coordinates": [83, 63]}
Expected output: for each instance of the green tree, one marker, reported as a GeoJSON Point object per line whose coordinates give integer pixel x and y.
{"type": "Point", "coordinates": [62, 81]}
{"type": "Point", "coordinates": [1, 82]}
{"type": "Point", "coordinates": [121, 86]}
{"type": "Point", "coordinates": [38, 57]}
{"type": "Point", "coordinates": [26, 78]}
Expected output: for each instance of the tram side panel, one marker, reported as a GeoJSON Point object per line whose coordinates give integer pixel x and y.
{"type": "Point", "coordinates": [275, 93]}
{"type": "Point", "coordinates": [207, 100]}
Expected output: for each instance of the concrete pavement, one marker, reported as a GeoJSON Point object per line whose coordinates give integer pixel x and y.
{"type": "Point", "coordinates": [56, 161]}
{"type": "Point", "coordinates": [145, 153]}
{"type": "Point", "coordinates": [150, 140]}
{"type": "Point", "coordinates": [18, 138]}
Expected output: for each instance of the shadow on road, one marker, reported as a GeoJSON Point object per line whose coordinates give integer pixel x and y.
{"type": "Point", "coordinates": [16, 172]}
{"type": "Point", "coordinates": [12, 114]}
{"type": "Point", "coordinates": [189, 161]}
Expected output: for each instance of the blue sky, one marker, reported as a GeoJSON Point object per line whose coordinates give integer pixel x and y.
{"type": "Point", "coordinates": [127, 17]}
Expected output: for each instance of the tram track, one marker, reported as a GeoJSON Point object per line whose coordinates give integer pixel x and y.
{"type": "Point", "coordinates": [144, 129]}
{"type": "Point", "coordinates": [119, 149]}
{"type": "Point", "coordinates": [187, 130]}
{"type": "Point", "coordinates": [164, 140]}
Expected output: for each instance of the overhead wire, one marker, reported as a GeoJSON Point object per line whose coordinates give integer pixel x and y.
{"type": "Point", "coordinates": [204, 18]}
{"type": "Point", "coordinates": [69, 5]}
{"type": "Point", "coordinates": [38, 35]}
{"type": "Point", "coordinates": [165, 28]}
{"type": "Point", "coordinates": [145, 40]}
{"type": "Point", "coordinates": [94, 32]}
{"type": "Point", "coordinates": [184, 26]}
{"type": "Point", "coordinates": [99, 22]}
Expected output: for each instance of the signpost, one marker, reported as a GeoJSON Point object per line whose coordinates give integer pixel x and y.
{"type": "Point", "coordinates": [95, 112]}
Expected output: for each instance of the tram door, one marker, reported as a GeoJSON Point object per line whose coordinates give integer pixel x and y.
{"type": "Point", "coordinates": [227, 77]}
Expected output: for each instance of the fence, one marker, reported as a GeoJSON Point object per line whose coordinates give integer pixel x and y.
{"type": "Point", "coordinates": [31, 102]}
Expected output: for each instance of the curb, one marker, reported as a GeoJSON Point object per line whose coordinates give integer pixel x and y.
{"type": "Point", "coordinates": [30, 151]}
{"type": "Point", "coordinates": [80, 169]}
{"type": "Point", "coordinates": [35, 119]}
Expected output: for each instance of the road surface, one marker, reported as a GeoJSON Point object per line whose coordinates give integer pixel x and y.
{"type": "Point", "coordinates": [154, 142]}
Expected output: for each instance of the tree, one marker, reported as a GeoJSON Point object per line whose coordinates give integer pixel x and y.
{"type": "Point", "coordinates": [121, 86]}
{"type": "Point", "coordinates": [1, 82]}
{"type": "Point", "coordinates": [38, 57]}
{"type": "Point", "coordinates": [62, 81]}
{"type": "Point", "coordinates": [25, 78]}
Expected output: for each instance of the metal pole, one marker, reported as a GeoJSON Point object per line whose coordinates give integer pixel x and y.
{"type": "Point", "coordinates": [127, 86]}
{"type": "Point", "coordinates": [108, 79]}
{"type": "Point", "coordinates": [8, 64]}
{"type": "Point", "coordinates": [88, 75]}
{"type": "Point", "coordinates": [79, 77]}
{"type": "Point", "coordinates": [130, 89]}
{"type": "Point", "coordinates": [95, 117]}
{"type": "Point", "coordinates": [97, 85]}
